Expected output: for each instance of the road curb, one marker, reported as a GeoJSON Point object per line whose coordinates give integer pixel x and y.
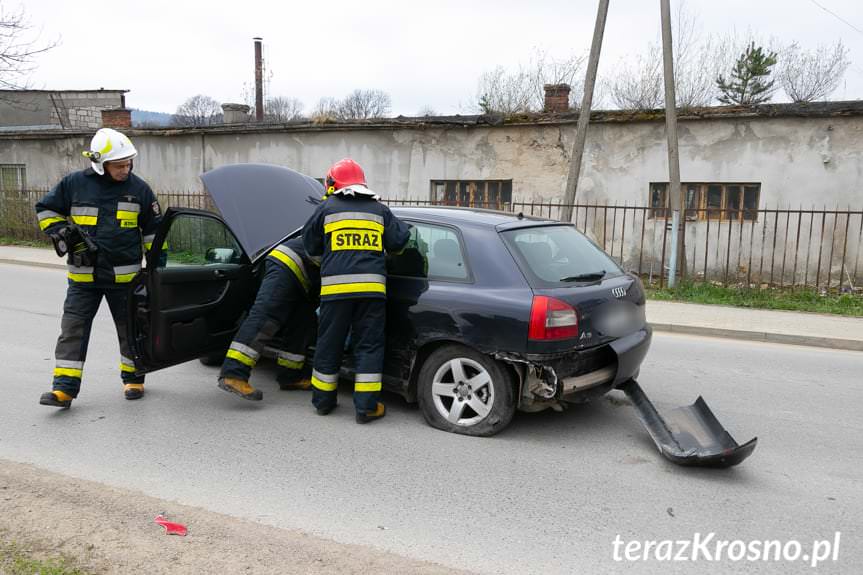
{"type": "Point", "coordinates": [33, 264]}
{"type": "Point", "coordinates": [828, 342]}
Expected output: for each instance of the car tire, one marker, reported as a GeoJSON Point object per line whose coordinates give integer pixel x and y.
{"type": "Point", "coordinates": [212, 359]}
{"type": "Point", "coordinates": [463, 391]}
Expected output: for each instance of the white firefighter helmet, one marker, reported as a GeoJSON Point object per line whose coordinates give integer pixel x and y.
{"type": "Point", "coordinates": [109, 145]}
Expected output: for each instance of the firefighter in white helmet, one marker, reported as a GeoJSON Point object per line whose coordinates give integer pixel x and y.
{"type": "Point", "coordinates": [102, 218]}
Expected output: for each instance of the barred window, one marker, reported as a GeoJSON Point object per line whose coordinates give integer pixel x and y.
{"type": "Point", "coordinates": [715, 201]}
{"type": "Point", "coordinates": [13, 177]}
{"type": "Point", "coordinates": [492, 194]}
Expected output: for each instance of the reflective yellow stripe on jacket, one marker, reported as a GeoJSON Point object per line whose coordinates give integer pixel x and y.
{"type": "Point", "coordinates": [48, 217]}
{"type": "Point", "coordinates": [354, 221]}
{"type": "Point", "coordinates": [353, 283]}
{"type": "Point", "coordinates": [80, 274]}
{"type": "Point", "coordinates": [127, 214]}
{"type": "Point", "coordinates": [125, 274]}
{"type": "Point", "coordinates": [294, 262]}
{"type": "Point", "coordinates": [84, 215]}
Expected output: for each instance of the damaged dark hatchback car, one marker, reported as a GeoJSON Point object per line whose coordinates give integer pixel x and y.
{"type": "Point", "coordinates": [488, 312]}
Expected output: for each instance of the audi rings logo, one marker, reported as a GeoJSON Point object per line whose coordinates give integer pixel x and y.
{"type": "Point", "coordinates": [618, 292]}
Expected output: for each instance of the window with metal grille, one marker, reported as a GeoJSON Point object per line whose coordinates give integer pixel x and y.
{"type": "Point", "coordinates": [715, 201]}
{"type": "Point", "coordinates": [13, 177]}
{"type": "Point", "coordinates": [492, 194]}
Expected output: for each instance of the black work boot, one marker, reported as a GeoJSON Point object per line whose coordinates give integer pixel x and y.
{"type": "Point", "coordinates": [241, 388]}
{"type": "Point", "coordinates": [56, 399]}
{"type": "Point", "coordinates": [326, 409]}
{"type": "Point", "coordinates": [367, 416]}
{"type": "Point", "coordinates": [133, 390]}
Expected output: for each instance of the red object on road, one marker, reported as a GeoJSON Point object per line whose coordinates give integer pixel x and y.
{"type": "Point", "coordinates": [171, 528]}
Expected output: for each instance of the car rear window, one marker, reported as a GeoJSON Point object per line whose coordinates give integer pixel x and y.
{"type": "Point", "coordinates": [559, 255]}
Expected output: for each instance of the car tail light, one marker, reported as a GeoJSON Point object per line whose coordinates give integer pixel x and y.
{"type": "Point", "coordinates": [551, 318]}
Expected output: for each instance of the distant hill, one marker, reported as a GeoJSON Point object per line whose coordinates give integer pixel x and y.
{"type": "Point", "coordinates": [144, 119]}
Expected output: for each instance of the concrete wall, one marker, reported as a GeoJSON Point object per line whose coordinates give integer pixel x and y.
{"type": "Point", "coordinates": [799, 161]}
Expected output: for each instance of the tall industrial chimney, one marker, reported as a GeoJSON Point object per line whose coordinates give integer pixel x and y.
{"type": "Point", "coordinates": [259, 81]}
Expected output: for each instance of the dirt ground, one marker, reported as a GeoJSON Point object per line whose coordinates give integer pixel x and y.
{"type": "Point", "coordinates": [108, 530]}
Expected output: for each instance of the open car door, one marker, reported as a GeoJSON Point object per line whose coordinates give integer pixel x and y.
{"type": "Point", "coordinates": [200, 276]}
{"type": "Point", "coordinates": [190, 298]}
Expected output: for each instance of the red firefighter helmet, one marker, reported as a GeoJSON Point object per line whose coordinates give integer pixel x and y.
{"type": "Point", "coordinates": [344, 173]}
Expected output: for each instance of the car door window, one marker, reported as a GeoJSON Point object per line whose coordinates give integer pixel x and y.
{"type": "Point", "coordinates": [199, 241]}
{"type": "Point", "coordinates": [432, 251]}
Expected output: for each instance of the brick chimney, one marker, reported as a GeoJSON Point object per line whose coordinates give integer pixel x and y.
{"type": "Point", "coordinates": [556, 98]}
{"type": "Point", "coordinates": [235, 113]}
{"type": "Point", "coordinates": [117, 118]}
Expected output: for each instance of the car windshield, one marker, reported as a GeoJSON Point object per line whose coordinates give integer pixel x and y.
{"type": "Point", "coordinates": [560, 255]}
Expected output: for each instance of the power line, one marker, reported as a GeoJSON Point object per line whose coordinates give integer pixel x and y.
{"type": "Point", "coordinates": [838, 17]}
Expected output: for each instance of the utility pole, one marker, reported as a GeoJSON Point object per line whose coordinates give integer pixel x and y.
{"type": "Point", "coordinates": [584, 112]}
{"type": "Point", "coordinates": [674, 196]}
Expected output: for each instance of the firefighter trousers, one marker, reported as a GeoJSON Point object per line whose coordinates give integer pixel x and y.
{"type": "Point", "coordinates": [79, 309]}
{"type": "Point", "coordinates": [282, 317]}
{"type": "Point", "coordinates": [364, 319]}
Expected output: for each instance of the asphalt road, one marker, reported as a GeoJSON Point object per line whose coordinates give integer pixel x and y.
{"type": "Point", "coordinates": [549, 495]}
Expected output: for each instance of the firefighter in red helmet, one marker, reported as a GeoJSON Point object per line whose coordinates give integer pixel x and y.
{"type": "Point", "coordinates": [351, 233]}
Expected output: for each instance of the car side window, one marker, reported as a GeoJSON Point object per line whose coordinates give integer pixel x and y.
{"type": "Point", "coordinates": [432, 251]}
{"type": "Point", "coordinates": [199, 241]}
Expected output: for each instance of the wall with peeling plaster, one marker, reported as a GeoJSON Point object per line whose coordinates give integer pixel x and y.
{"type": "Point", "coordinates": [799, 161]}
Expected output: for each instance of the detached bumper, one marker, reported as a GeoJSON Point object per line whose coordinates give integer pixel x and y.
{"type": "Point", "coordinates": [689, 435]}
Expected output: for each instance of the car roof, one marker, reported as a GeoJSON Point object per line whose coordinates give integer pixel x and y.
{"type": "Point", "coordinates": [471, 216]}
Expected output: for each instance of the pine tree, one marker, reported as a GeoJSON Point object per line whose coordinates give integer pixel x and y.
{"type": "Point", "coordinates": [749, 84]}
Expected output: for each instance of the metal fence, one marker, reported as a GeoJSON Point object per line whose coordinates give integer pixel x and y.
{"type": "Point", "coordinates": [777, 247]}
{"type": "Point", "coordinates": [821, 249]}
{"type": "Point", "coordinates": [18, 216]}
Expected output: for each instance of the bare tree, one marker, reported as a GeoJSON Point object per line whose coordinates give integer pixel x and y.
{"type": "Point", "coordinates": [198, 110]}
{"type": "Point", "coordinates": [546, 70]}
{"type": "Point", "coordinates": [426, 111]}
{"type": "Point", "coordinates": [698, 59]}
{"type": "Point", "coordinates": [811, 75]}
{"type": "Point", "coordinates": [364, 104]}
{"type": "Point", "coordinates": [326, 110]}
{"type": "Point", "coordinates": [17, 51]}
{"type": "Point", "coordinates": [522, 90]}
{"type": "Point", "coordinates": [281, 109]}
{"type": "Point", "coordinates": [504, 92]}
{"type": "Point", "coordinates": [639, 86]}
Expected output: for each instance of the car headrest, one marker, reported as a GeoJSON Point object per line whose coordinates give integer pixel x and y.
{"type": "Point", "coordinates": [446, 248]}
{"type": "Point", "coordinates": [537, 252]}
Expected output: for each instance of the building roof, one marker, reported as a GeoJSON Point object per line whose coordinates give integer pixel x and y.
{"type": "Point", "coordinates": [103, 90]}
{"type": "Point", "coordinates": [793, 110]}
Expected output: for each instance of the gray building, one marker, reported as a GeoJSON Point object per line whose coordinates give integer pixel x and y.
{"type": "Point", "coordinates": [773, 155]}
{"type": "Point", "coordinates": [57, 109]}
{"type": "Point", "coordinates": [734, 161]}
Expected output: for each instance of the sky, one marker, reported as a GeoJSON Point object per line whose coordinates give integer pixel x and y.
{"type": "Point", "coordinates": [424, 54]}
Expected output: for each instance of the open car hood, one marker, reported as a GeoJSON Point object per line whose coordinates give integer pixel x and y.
{"type": "Point", "coordinates": [262, 203]}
